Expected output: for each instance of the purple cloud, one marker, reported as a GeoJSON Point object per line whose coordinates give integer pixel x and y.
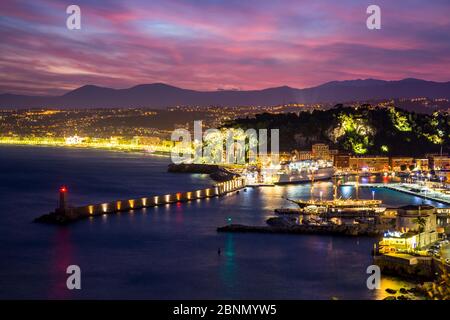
{"type": "Point", "coordinates": [210, 44]}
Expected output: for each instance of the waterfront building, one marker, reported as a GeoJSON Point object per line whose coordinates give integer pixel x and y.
{"type": "Point", "coordinates": [115, 140]}
{"type": "Point", "coordinates": [342, 161]}
{"type": "Point", "coordinates": [333, 153]}
{"type": "Point", "coordinates": [416, 228]}
{"type": "Point", "coordinates": [422, 164]}
{"type": "Point", "coordinates": [74, 140]}
{"type": "Point", "coordinates": [369, 163]}
{"type": "Point", "coordinates": [303, 155]}
{"type": "Point", "coordinates": [439, 162]}
{"type": "Point", "coordinates": [407, 218]}
{"type": "Point", "coordinates": [147, 141]}
{"type": "Point", "coordinates": [321, 151]}
{"type": "Point", "coordinates": [394, 241]}
{"type": "Point", "coordinates": [444, 176]}
{"type": "Point", "coordinates": [285, 156]}
{"type": "Point", "coordinates": [402, 163]}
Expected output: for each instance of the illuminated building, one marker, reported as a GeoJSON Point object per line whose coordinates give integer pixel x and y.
{"type": "Point", "coordinates": [369, 163]}
{"type": "Point", "coordinates": [303, 155]}
{"type": "Point", "coordinates": [147, 140]}
{"type": "Point", "coordinates": [422, 164]}
{"type": "Point", "coordinates": [439, 162]}
{"type": "Point", "coordinates": [321, 151]}
{"type": "Point", "coordinates": [398, 242]}
{"type": "Point", "coordinates": [416, 228]}
{"type": "Point", "coordinates": [341, 161]}
{"type": "Point", "coordinates": [74, 140]}
{"type": "Point", "coordinates": [402, 163]}
{"type": "Point", "coordinates": [407, 218]}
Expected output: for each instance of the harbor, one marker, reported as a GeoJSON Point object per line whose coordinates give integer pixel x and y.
{"type": "Point", "coordinates": [157, 231]}
{"type": "Point", "coordinates": [402, 246]}
{"type": "Point", "coordinates": [409, 188]}
{"type": "Point", "coordinates": [65, 214]}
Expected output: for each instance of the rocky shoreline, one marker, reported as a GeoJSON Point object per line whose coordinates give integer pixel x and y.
{"type": "Point", "coordinates": [54, 219]}
{"type": "Point", "coordinates": [422, 291]}
{"type": "Point", "coordinates": [216, 172]}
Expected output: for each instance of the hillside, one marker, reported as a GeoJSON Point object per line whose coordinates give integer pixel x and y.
{"type": "Point", "coordinates": [159, 95]}
{"type": "Point", "coordinates": [366, 130]}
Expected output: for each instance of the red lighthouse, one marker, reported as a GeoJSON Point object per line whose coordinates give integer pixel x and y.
{"type": "Point", "coordinates": [63, 198]}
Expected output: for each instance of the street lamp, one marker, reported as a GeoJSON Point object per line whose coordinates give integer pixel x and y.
{"type": "Point", "coordinates": [373, 194]}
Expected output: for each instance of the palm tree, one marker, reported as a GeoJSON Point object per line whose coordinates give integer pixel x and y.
{"type": "Point", "coordinates": [421, 222]}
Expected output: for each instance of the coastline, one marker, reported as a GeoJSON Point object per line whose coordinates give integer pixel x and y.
{"type": "Point", "coordinates": [138, 150]}
{"type": "Point", "coordinates": [167, 218]}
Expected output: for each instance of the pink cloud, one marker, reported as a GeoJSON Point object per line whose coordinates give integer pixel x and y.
{"type": "Point", "coordinates": [207, 45]}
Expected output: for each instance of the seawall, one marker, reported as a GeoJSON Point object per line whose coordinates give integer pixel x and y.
{"type": "Point", "coordinates": [343, 230]}
{"type": "Point", "coordinates": [72, 214]}
{"type": "Point", "coordinates": [407, 266]}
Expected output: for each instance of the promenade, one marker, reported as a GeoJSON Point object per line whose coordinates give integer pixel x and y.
{"type": "Point", "coordinates": [408, 188]}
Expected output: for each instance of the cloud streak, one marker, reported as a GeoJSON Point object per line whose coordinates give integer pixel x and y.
{"type": "Point", "coordinates": [210, 44]}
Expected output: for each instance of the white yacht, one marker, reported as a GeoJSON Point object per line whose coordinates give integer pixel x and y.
{"type": "Point", "coordinates": [305, 171]}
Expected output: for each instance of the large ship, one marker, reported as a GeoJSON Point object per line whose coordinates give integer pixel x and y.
{"type": "Point", "coordinates": [305, 171]}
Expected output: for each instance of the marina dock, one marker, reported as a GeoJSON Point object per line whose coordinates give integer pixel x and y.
{"type": "Point", "coordinates": [410, 189]}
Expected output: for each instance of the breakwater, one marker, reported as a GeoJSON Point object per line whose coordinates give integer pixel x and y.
{"type": "Point", "coordinates": [344, 230]}
{"type": "Point", "coordinates": [217, 173]}
{"type": "Point", "coordinates": [65, 215]}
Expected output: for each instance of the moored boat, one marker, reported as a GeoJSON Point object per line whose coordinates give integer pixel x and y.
{"type": "Point", "coordinates": [305, 171]}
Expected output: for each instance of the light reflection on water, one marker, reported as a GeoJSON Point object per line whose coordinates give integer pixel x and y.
{"type": "Point", "coordinates": [229, 266]}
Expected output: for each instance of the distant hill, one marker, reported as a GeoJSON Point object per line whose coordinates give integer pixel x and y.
{"type": "Point", "coordinates": [366, 130]}
{"type": "Point", "coordinates": [159, 95]}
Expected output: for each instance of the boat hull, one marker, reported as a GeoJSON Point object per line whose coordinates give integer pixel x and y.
{"type": "Point", "coordinates": [305, 177]}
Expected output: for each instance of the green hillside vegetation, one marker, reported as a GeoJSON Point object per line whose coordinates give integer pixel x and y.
{"type": "Point", "coordinates": [363, 130]}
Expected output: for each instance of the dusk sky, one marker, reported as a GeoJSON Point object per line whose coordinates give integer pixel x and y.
{"type": "Point", "coordinates": [211, 44]}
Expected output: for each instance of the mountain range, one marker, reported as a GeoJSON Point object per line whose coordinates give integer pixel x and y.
{"type": "Point", "coordinates": [159, 95]}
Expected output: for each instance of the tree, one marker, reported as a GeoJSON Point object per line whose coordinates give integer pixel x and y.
{"type": "Point", "coordinates": [421, 222]}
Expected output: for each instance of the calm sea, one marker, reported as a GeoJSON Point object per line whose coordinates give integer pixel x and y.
{"type": "Point", "coordinates": [168, 252]}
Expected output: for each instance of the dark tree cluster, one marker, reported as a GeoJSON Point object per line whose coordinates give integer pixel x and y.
{"type": "Point", "coordinates": [363, 130]}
